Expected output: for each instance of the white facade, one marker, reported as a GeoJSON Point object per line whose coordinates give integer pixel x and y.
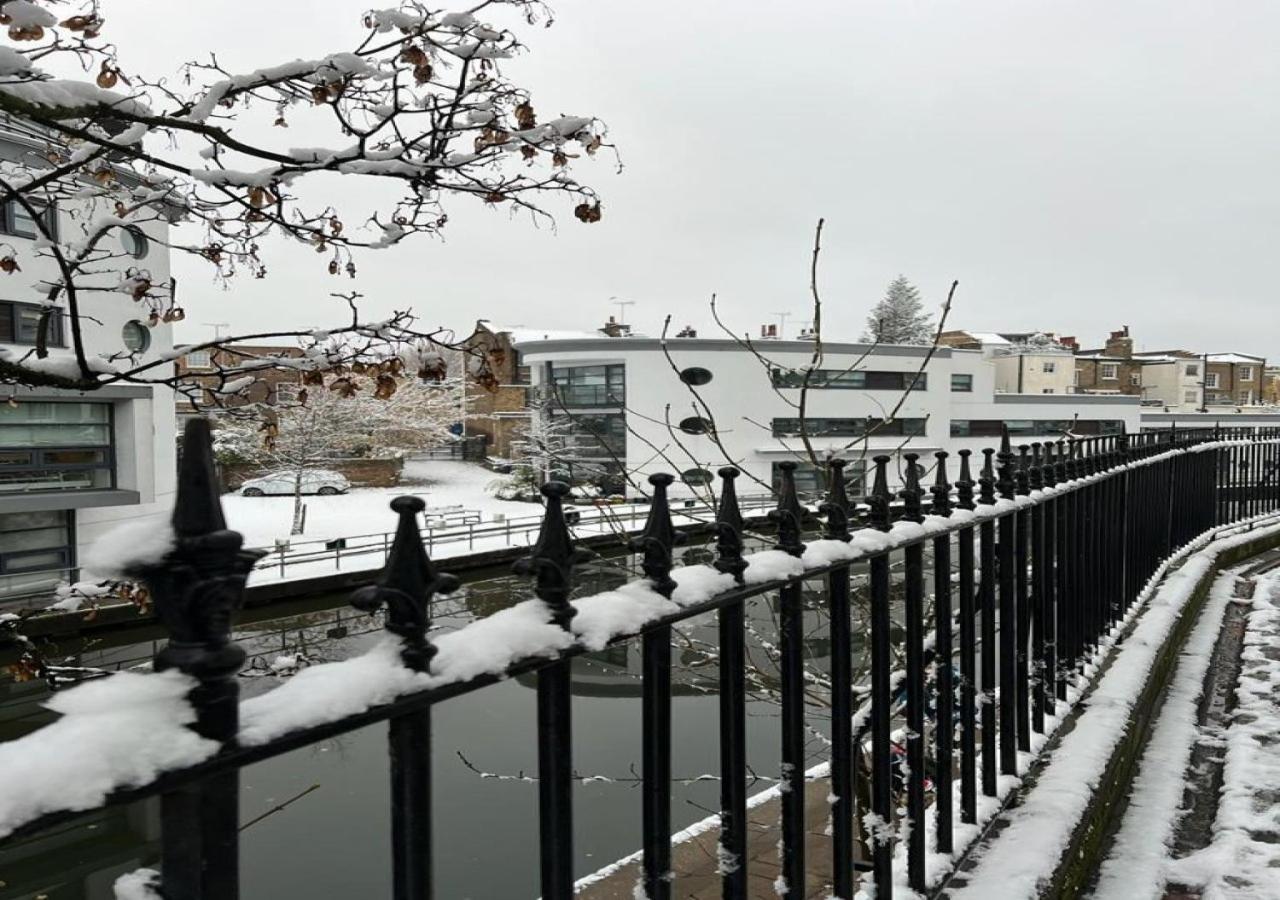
{"type": "Point", "coordinates": [1172, 383]}
{"type": "Point", "coordinates": [76, 464]}
{"type": "Point", "coordinates": [1035, 372]}
{"type": "Point", "coordinates": [957, 407]}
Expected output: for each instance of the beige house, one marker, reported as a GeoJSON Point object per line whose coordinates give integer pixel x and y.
{"type": "Point", "coordinates": [1025, 363]}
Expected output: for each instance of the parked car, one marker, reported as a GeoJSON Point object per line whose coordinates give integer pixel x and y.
{"type": "Point", "coordinates": [314, 481]}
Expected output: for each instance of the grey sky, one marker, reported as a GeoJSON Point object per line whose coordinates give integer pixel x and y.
{"type": "Point", "coordinates": [1076, 166]}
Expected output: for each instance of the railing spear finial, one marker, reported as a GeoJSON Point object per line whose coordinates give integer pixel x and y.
{"type": "Point", "coordinates": [198, 586]}
{"type": "Point", "coordinates": [911, 492]}
{"type": "Point", "coordinates": [729, 526]}
{"type": "Point", "coordinates": [1022, 473]}
{"type": "Point", "coordinates": [836, 507]}
{"type": "Point", "coordinates": [406, 586]}
{"type": "Point", "coordinates": [554, 557]}
{"type": "Point", "coordinates": [789, 514]}
{"type": "Point", "coordinates": [965, 485]}
{"type": "Point", "coordinates": [879, 498]}
{"type": "Point", "coordinates": [658, 540]}
{"type": "Point", "coordinates": [1004, 460]}
{"type": "Point", "coordinates": [987, 478]}
{"type": "Point", "coordinates": [941, 489]}
{"type": "Point", "coordinates": [1037, 466]}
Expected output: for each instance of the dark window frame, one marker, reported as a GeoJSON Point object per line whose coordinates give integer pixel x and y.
{"type": "Point", "coordinates": [10, 317]}
{"type": "Point", "coordinates": [851, 380]}
{"type": "Point", "coordinates": [967, 381]}
{"type": "Point", "coordinates": [826, 426]}
{"type": "Point", "coordinates": [9, 220]}
{"type": "Point", "coordinates": [1021, 428]}
{"type": "Point", "coordinates": [37, 463]}
{"type": "Point", "coordinates": [567, 393]}
{"type": "Point", "coordinates": [67, 551]}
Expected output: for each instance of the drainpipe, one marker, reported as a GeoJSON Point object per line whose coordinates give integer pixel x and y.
{"type": "Point", "coordinates": [1021, 361]}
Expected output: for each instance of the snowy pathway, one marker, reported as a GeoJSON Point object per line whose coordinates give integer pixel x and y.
{"type": "Point", "coordinates": [1239, 855]}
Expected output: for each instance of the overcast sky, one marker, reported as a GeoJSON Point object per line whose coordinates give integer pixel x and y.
{"type": "Point", "coordinates": [1077, 166]}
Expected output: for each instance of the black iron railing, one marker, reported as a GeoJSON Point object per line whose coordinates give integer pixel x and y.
{"type": "Point", "coordinates": [1034, 563]}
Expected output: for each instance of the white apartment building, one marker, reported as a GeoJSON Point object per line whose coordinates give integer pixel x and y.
{"type": "Point", "coordinates": [1172, 382]}
{"type": "Point", "coordinates": [75, 464]}
{"type": "Point", "coordinates": [630, 405]}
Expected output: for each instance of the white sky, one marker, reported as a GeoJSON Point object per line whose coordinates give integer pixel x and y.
{"type": "Point", "coordinates": [1077, 166]}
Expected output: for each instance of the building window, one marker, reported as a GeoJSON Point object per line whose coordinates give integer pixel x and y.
{"type": "Point", "coordinates": [1047, 391]}
{"type": "Point", "coordinates": [15, 220]}
{"type": "Point", "coordinates": [1193, 371]}
{"type": "Point", "coordinates": [1034, 428]}
{"type": "Point", "coordinates": [198, 359]}
{"type": "Point", "coordinates": [1135, 378]}
{"type": "Point", "coordinates": [524, 375]}
{"type": "Point", "coordinates": [857, 380]}
{"type": "Point", "coordinates": [1050, 367]}
{"type": "Point", "coordinates": [134, 242]}
{"type": "Point", "coordinates": [136, 336]}
{"type": "Point", "coordinates": [20, 324]}
{"type": "Point", "coordinates": [961, 384]}
{"type": "Point", "coordinates": [590, 436]}
{"type": "Point", "coordinates": [1246, 373]}
{"type": "Point", "coordinates": [1110, 371]}
{"type": "Point", "coordinates": [819, 427]}
{"type": "Point", "coordinates": [589, 385]}
{"type": "Point", "coordinates": [1246, 398]}
{"type": "Point", "coordinates": [1211, 380]}
{"type": "Point", "coordinates": [48, 446]}
{"type": "Point", "coordinates": [1190, 397]}
{"type": "Point", "coordinates": [812, 480]}
{"type": "Point", "coordinates": [35, 551]}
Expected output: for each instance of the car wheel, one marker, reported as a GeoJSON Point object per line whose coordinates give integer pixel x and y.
{"type": "Point", "coordinates": [252, 492]}
{"type": "Point", "coordinates": [328, 491]}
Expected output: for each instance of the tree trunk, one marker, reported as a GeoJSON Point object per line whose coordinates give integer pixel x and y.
{"type": "Point", "coordinates": [299, 511]}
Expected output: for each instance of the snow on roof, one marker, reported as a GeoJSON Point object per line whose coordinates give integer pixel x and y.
{"type": "Point", "coordinates": [989, 337]}
{"type": "Point", "coordinates": [523, 334]}
{"type": "Point", "coordinates": [1235, 358]}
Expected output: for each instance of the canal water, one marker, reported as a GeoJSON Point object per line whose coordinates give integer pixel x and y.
{"type": "Point", "coordinates": [332, 841]}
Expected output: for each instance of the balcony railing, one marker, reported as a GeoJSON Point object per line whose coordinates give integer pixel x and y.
{"type": "Point", "coordinates": [1035, 564]}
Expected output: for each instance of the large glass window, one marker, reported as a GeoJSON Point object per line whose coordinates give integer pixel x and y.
{"type": "Point", "coordinates": [589, 385]}
{"type": "Point", "coordinates": [812, 480]}
{"type": "Point", "coordinates": [584, 436]}
{"type": "Point", "coordinates": [1034, 427]}
{"type": "Point", "coordinates": [14, 219]}
{"type": "Point", "coordinates": [859, 380]}
{"type": "Point", "coordinates": [35, 551]}
{"type": "Point", "coordinates": [961, 383]}
{"type": "Point", "coordinates": [47, 446]}
{"type": "Point", "coordinates": [20, 324]}
{"type": "Point", "coordinates": [818, 427]}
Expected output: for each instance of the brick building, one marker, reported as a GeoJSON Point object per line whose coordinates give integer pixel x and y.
{"type": "Point", "coordinates": [1111, 369]}
{"type": "Point", "coordinates": [199, 368]}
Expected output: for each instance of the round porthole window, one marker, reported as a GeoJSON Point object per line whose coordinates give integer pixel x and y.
{"type": "Point", "coordinates": [695, 375]}
{"type": "Point", "coordinates": [695, 425]}
{"type": "Point", "coordinates": [135, 243]}
{"type": "Point", "coordinates": [136, 336]}
{"type": "Point", "coordinates": [696, 476]}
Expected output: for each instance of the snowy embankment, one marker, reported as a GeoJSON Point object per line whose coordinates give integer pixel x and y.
{"type": "Point", "coordinates": [1039, 831]}
{"type": "Point", "coordinates": [1243, 856]}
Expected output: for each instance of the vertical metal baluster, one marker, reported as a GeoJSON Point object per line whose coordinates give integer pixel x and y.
{"type": "Point", "coordinates": [1062, 607]}
{"type": "Point", "coordinates": [881, 700]}
{"type": "Point", "coordinates": [987, 601]}
{"type": "Point", "coordinates": [968, 647]}
{"type": "Point", "coordinates": [1050, 584]}
{"type": "Point", "coordinates": [733, 728]}
{"type": "Point", "coordinates": [551, 563]}
{"type": "Point", "coordinates": [913, 613]}
{"type": "Point", "coordinates": [1021, 568]}
{"type": "Point", "coordinates": [1007, 580]}
{"type": "Point", "coordinates": [943, 724]}
{"type": "Point", "coordinates": [789, 517]}
{"type": "Point", "coordinates": [1039, 584]}
{"type": "Point", "coordinates": [657, 543]}
{"type": "Point", "coordinates": [836, 510]}
{"type": "Point", "coordinates": [405, 587]}
{"type": "Point", "coordinates": [197, 588]}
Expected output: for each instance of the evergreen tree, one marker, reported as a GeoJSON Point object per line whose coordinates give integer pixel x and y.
{"type": "Point", "coordinates": [900, 317]}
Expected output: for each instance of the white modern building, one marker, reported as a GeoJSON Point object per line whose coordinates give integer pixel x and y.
{"type": "Point", "coordinates": [705, 403]}
{"type": "Point", "coordinates": [75, 464]}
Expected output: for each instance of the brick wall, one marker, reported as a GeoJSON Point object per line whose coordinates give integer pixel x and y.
{"type": "Point", "coordinates": [360, 472]}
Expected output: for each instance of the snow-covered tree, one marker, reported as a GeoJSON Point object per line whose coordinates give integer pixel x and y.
{"type": "Point", "coordinates": [899, 318]}
{"type": "Point", "coordinates": [418, 106]}
{"type": "Point", "coordinates": [564, 447]}
{"type": "Point", "coordinates": [314, 427]}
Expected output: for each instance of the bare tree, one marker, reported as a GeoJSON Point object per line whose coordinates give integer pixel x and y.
{"type": "Point", "coordinates": [417, 105]}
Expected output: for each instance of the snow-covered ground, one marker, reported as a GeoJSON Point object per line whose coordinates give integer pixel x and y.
{"type": "Point", "coordinates": [263, 520]}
